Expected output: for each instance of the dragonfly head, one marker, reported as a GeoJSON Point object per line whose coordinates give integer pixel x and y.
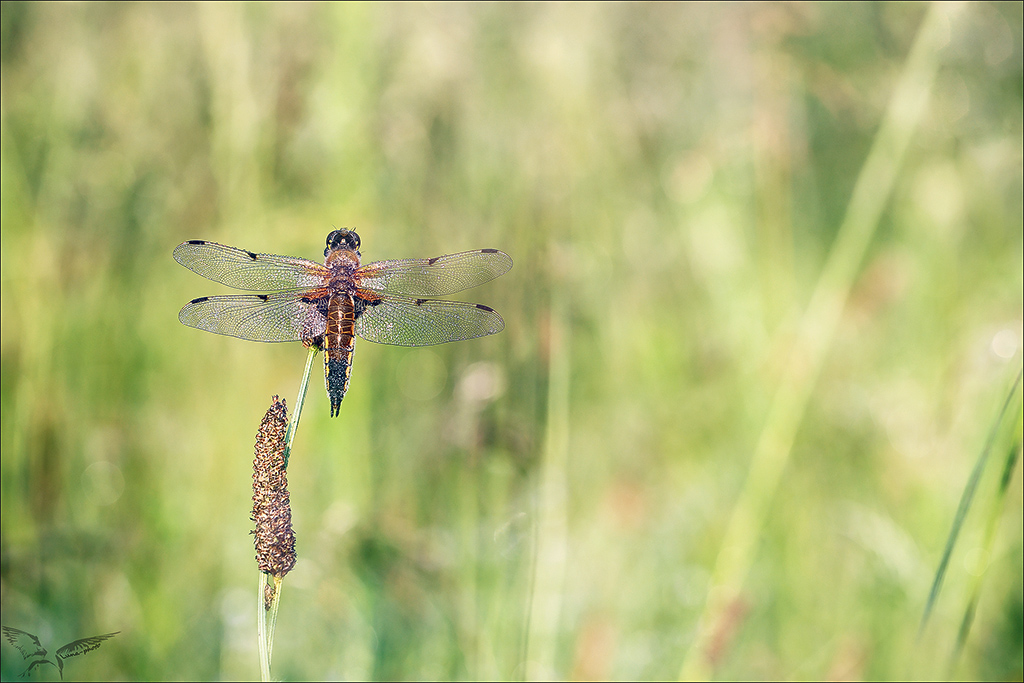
{"type": "Point", "coordinates": [342, 239]}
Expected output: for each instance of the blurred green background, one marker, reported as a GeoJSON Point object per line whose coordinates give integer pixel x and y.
{"type": "Point", "coordinates": [550, 501]}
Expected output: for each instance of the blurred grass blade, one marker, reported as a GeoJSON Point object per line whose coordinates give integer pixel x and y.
{"type": "Point", "coordinates": [548, 584]}
{"type": "Point", "coordinates": [967, 499]}
{"type": "Point", "coordinates": [817, 328]}
{"type": "Point", "coordinates": [1012, 458]}
{"type": "Point", "coordinates": [1011, 407]}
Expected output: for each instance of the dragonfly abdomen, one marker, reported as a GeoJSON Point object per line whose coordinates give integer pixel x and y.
{"type": "Point", "coordinates": [339, 345]}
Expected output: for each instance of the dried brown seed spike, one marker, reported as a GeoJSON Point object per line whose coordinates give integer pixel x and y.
{"type": "Point", "coordinates": [271, 507]}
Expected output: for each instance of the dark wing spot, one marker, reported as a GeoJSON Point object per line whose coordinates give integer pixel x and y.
{"type": "Point", "coordinates": [196, 242]}
{"type": "Point", "coordinates": [251, 255]}
{"type": "Point", "coordinates": [262, 297]}
{"type": "Point", "coordinates": [488, 251]}
{"type": "Point", "coordinates": [485, 308]}
{"type": "Point", "coordinates": [321, 302]}
{"type": "Point", "coordinates": [420, 302]}
{"type": "Point", "coordinates": [432, 261]}
{"type": "Point", "coordinates": [199, 300]}
{"type": "Point", "coordinates": [362, 304]}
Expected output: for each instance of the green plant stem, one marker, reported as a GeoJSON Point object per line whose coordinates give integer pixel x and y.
{"type": "Point", "coordinates": [293, 424]}
{"type": "Point", "coordinates": [267, 621]}
{"type": "Point", "coordinates": [261, 627]}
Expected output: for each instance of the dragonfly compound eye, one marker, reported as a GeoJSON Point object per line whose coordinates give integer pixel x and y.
{"type": "Point", "coordinates": [342, 239]}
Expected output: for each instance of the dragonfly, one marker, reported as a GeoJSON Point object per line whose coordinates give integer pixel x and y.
{"type": "Point", "coordinates": [326, 306]}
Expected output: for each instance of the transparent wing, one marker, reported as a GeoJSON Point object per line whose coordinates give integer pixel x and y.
{"type": "Point", "coordinates": [281, 317]}
{"type": "Point", "coordinates": [243, 269]}
{"type": "Point", "coordinates": [405, 321]}
{"type": "Point", "coordinates": [80, 647]}
{"type": "Point", "coordinates": [439, 276]}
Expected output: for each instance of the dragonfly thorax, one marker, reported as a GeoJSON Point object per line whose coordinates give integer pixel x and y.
{"type": "Point", "coordinates": [342, 263]}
